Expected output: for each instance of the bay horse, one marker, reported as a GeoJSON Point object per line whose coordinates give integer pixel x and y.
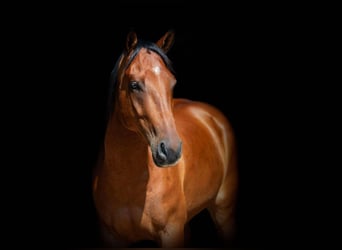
{"type": "Point", "coordinates": [163, 159]}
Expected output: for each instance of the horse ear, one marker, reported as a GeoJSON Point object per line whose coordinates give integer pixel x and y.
{"type": "Point", "coordinates": [131, 40]}
{"type": "Point", "coordinates": [166, 41]}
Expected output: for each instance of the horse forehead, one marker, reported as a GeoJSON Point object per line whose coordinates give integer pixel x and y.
{"type": "Point", "coordinates": [147, 60]}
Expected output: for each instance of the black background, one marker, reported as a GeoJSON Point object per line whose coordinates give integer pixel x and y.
{"type": "Point", "coordinates": [249, 61]}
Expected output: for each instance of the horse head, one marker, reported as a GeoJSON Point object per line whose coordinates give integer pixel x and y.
{"type": "Point", "coordinates": [144, 95]}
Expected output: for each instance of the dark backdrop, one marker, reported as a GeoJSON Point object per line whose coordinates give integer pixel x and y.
{"type": "Point", "coordinates": [244, 60]}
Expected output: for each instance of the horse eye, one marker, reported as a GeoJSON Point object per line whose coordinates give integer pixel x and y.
{"type": "Point", "coordinates": [134, 86]}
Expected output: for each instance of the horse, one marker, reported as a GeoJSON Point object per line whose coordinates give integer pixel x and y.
{"type": "Point", "coordinates": [163, 159]}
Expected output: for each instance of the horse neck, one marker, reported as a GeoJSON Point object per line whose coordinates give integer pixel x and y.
{"type": "Point", "coordinates": [117, 129]}
{"type": "Point", "coordinates": [122, 143]}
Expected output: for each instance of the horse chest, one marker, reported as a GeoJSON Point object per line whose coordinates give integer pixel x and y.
{"type": "Point", "coordinates": [143, 208]}
{"type": "Point", "coordinates": [130, 222]}
{"type": "Point", "coordinates": [148, 216]}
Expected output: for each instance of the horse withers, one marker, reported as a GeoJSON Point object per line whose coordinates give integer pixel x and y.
{"type": "Point", "coordinates": [163, 159]}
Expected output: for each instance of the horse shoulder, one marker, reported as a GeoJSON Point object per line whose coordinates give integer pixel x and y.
{"type": "Point", "coordinates": [198, 119]}
{"type": "Point", "coordinates": [209, 145]}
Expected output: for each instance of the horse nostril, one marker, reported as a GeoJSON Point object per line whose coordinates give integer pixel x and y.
{"type": "Point", "coordinates": [162, 151]}
{"type": "Point", "coordinates": [163, 148]}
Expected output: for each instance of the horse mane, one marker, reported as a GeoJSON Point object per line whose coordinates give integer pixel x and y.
{"type": "Point", "coordinates": [114, 76]}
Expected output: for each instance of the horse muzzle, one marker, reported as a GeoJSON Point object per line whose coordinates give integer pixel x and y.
{"type": "Point", "coordinates": [165, 155]}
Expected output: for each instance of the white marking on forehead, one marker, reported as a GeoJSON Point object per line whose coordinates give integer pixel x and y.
{"type": "Point", "coordinates": [156, 69]}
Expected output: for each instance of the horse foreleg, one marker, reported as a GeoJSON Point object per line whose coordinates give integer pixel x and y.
{"type": "Point", "coordinates": [187, 235]}
{"type": "Point", "coordinates": [172, 236]}
{"type": "Point", "coordinates": [223, 212]}
{"type": "Point", "coordinates": [110, 239]}
{"type": "Point", "coordinates": [224, 220]}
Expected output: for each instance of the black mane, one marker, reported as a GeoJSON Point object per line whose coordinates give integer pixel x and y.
{"type": "Point", "coordinates": [114, 74]}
